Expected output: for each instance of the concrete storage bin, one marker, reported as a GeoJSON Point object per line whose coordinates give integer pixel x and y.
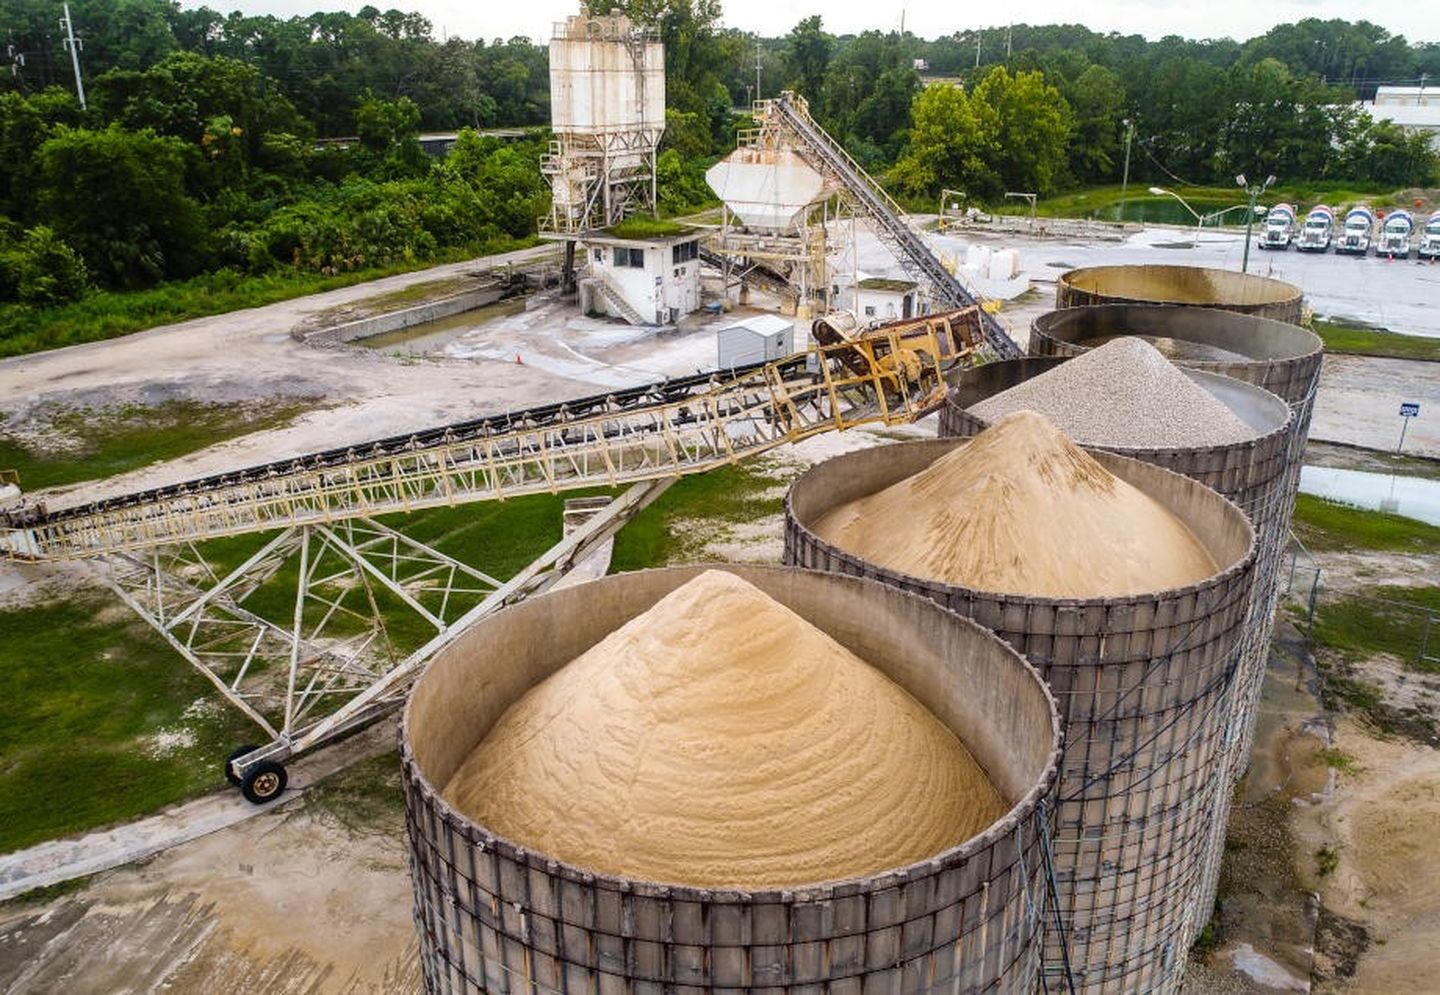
{"type": "Point", "coordinates": [1142, 684]}
{"type": "Point", "coordinates": [1197, 286]}
{"type": "Point", "coordinates": [494, 916]}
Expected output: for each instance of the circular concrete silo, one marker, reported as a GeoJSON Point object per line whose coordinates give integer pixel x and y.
{"type": "Point", "coordinates": [1195, 286]}
{"type": "Point", "coordinates": [1283, 358]}
{"type": "Point", "coordinates": [495, 916]}
{"type": "Point", "coordinates": [1142, 683]}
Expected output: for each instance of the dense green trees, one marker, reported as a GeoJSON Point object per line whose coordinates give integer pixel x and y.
{"type": "Point", "coordinates": [203, 145]}
{"type": "Point", "coordinates": [1011, 133]}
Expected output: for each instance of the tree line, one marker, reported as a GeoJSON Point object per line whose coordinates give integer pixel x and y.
{"type": "Point", "coordinates": [200, 149]}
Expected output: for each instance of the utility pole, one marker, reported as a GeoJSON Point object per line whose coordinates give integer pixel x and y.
{"type": "Point", "coordinates": [978, 35]}
{"type": "Point", "coordinates": [757, 67]}
{"type": "Point", "coordinates": [74, 46]}
{"type": "Point", "coordinates": [17, 60]}
{"type": "Point", "coordinates": [1009, 33]}
{"type": "Point", "coordinates": [1125, 179]}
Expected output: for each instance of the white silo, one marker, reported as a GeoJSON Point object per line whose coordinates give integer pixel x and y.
{"type": "Point", "coordinates": [607, 111]}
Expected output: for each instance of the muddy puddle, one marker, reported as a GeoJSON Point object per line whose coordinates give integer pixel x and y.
{"type": "Point", "coordinates": [1397, 494]}
{"type": "Point", "coordinates": [431, 337]}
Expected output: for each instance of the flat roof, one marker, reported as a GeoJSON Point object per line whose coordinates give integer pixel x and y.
{"type": "Point", "coordinates": [881, 283]}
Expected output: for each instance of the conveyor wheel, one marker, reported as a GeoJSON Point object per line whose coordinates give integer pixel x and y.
{"type": "Point", "coordinates": [236, 754]}
{"type": "Point", "coordinates": [264, 782]}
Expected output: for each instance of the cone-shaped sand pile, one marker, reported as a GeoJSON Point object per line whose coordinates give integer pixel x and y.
{"type": "Point", "coordinates": [1124, 393]}
{"type": "Point", "coordinates": [1021, 509]}
{"type": "Point", "coordinates": [720, 740]}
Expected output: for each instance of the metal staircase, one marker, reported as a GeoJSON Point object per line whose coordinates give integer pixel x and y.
{"type": "Point", "coordinates": [616, 301]}
{"type": "Point", "coordinates": [789, 114]}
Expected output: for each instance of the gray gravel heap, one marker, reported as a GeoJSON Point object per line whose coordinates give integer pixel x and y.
{"type": "Point", "coordinates": [1123, 394]}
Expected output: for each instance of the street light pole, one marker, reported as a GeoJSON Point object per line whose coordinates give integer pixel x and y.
{"type": "Point", "coordinates": [1125, 178]}
{"type": "Point", "coordinates": [1254, 192]}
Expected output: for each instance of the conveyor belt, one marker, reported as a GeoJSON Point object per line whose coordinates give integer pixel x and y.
{"type": "Point", "coordinates": [889, 221]}
{"type": "Point", "coordinates": [674, 427]}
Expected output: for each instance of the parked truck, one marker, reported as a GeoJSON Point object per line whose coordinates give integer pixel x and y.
{"type": "Point", "coordinates": [1318, 230]}
{"type": "Point", "coordinates": [1395, 235]}
{"type": "Point", "coordinates": [1279, 228]}
{"type": "Point", "coordinates": [1355, 237]}
{"type": "Point", "coordinates": [1430, 238]}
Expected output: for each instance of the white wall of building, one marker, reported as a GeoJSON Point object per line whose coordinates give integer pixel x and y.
{"type": "Point", "coordinates": [662, 289]}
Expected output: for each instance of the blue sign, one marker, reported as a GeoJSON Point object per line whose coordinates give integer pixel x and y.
{"type": "Point", "coordinates": [1409, 409]}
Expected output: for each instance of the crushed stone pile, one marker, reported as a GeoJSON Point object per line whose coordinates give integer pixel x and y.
{"type": "Point", "coordinates": [1126, 394]}
{"type": "Point", "coordinates": [1177, 350]}
{"type": "Point", "coordinates": [1020, 509]}
{"type": "Point", "coordinates": [720, 740]}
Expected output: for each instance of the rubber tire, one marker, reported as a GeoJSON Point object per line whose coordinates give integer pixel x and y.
{"type": "Point", "coordinates": [236, 754]}
{"type": "Point", "coordinates": [264, 782]}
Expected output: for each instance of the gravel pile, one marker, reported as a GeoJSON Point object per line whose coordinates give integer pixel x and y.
{"type": "Point", "coordinates": [1123, 394]}
{"type": "Point", "coordinates": [1177, 350]}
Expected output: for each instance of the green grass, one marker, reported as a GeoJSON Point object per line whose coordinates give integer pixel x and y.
{"type": "Point", "coordinates": [1362, 340]}
{"type": "Point", "coordinates": [657, 537]}
{"type": "Point", "coordinates": [115, 440]}
{"type": "Point", "coordinates": [640, 226]}
{"type": "Point", "coordinates": [108, 314]}
{"type": "Point", "coordinates": [1327, 526]}
{"type": "Point", "coordinates": [1104, 202]}
{"type": "Point", "coordinates": [1327, 860]}
{"type": "Point", "coordinates": [1337, 759]}
{"type": "Point", "coordinates": [85, 684]}
{"type": "Point", "coordinates": [366, 796]}
{"type": "Point", "coordinates": [1376, 620]}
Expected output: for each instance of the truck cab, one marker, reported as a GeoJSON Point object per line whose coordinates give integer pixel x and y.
{"type": "Point", "coordinates": [1429, 247]}
{"type": "Point", "coordinates": [1395, 235]}
{"type": "Point", "coordinates": [1355, 236]}
{"type": "Point", "coordinates": [1318, 230]}
{"type": "Point", "coordinates": [1279, 228]}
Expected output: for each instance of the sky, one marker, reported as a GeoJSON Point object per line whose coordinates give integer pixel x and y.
{"type": "Point", "coordinates": [1417, 20]}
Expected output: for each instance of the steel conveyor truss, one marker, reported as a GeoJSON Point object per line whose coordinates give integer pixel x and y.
{"type": "Point", "coordinates": [789, 115]}
{"type": "Point", "coordinates": [295, 636]}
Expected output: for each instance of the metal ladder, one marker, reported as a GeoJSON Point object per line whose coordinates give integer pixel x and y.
{"type": "Point", "coordinates": [890, 225]}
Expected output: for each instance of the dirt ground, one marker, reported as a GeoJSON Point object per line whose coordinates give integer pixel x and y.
{"type": "Point", "coordinates": [296, 900]}
{"type": "Point", "coordinates": [1332, 867]}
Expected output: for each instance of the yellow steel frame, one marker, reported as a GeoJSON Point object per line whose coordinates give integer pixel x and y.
{"type": "Point", "coordinates": [738, 416]}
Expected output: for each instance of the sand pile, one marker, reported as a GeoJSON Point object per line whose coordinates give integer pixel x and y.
{"type": "Point", "coordinates": [721, 740]}
{"type": "Point", "coordinates": [1021, 509]}
{"type": "Point", "coordinates": [1124, 393]}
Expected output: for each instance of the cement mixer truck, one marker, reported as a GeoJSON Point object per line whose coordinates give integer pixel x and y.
{"type": "Point", "coordinates": [1395, 235]}
{"type": "Point", "coordinates": [1279, 228]}
{"type": "Point", "coordinates": [1317, 231]}
{"type": "Point", "coordinates": [1430, 238]}
{"type": "Point", "coordinates": [1355, 237]}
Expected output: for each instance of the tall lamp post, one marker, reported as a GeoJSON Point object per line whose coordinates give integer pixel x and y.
{"type": "Point", "coordinates": [1254, 192]}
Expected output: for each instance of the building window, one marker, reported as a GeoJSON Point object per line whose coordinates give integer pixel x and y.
{"type": "Point", "coordinates": [684, 252]}
{"type": "Point", "coordinates": [870, 311]}
{"type": "Point", "coordinates": [633, 258]}
{"type": "Point", "coordinates": [599, 255]}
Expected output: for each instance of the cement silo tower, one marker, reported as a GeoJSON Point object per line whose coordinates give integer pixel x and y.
{"type": "Point", "coordinates": [607, 111]}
